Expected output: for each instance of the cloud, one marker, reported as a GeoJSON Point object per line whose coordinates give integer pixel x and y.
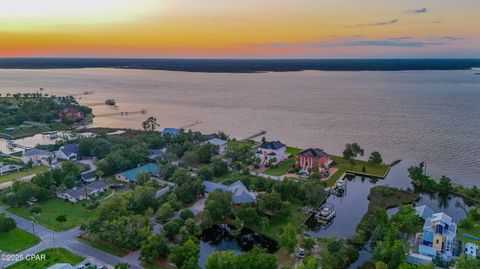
{"type": "Point", "coordinates": [379, 23]}
{"type": "Point", "coordinates": [358, 41]}
{"type": "Point", "coordinates": [418, 11]}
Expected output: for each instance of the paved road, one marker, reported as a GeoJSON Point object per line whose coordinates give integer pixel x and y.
{"type": "Point", "coordinates": [68, 240]}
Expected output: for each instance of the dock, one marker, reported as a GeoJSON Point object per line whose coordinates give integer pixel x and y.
{"type": "Point", "coordinates": [263, 132]}
{"type": "Point", "coordinates": [122, 114]}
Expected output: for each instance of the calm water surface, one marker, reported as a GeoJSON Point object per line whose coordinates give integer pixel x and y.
{"type": "Point", "coordinates": [431, 116]}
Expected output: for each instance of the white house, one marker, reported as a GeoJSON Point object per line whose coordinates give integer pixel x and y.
{"type": "Point", "coordinates": [6, 169]}
{"type": "Point", "coordinates": [67, 152]}
{"type": "Point", "coordinates": [96, 188]}
{"type": "Point", "coordinates": [73, 195]}
{"type": "Point", "coordinates": [219, 143]}
{"type": "Point", "coordinates": [38, 157]}
{"type": "Point", "coordinates": [273, 150]}
{"type": "Point", "coordinates": [471, 250]}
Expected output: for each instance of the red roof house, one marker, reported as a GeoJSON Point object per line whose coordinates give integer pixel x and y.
{"type": "Point", "coordinates": [310, 159]}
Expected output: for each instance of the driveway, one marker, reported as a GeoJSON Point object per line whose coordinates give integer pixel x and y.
{"type": "Point", "coordinates": [68, 240]}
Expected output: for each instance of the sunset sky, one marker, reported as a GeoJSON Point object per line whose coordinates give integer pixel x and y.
{"type": "Point", "coordinates": [240, 28]}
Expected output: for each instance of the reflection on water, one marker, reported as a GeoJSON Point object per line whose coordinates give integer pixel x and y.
{"type": "Point", "coordinates": [351, 207]}
{"type": "Point", "coordinates": [219, 238]}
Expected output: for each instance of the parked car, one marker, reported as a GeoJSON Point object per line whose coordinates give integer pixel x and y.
{"type": "Point", "coordinates": [81, 266]}
{"type": "Point", "coordinates": [301, 253]}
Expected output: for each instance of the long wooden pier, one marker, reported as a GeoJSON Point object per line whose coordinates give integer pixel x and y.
{"type": "Point", "coordinates": [262, 132]}
{"type": "Point", "coordinates": [122, 113]}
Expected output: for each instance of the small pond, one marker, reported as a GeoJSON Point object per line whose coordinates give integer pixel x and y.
{"type": "Point", "coordinates": [219, 238]}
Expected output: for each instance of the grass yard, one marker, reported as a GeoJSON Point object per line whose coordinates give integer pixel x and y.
{"type": "Point", "coordinates": [474, 231]}
{"type": "Point", "coordinates": [23, 173]}
{"type": "Point", "coordinates": [97, 243]}
{"type": "Point", "coordinates": [283, 167]}
{"type": "Point", "coordinates": [53, 256]}
{"type": "Point", "coordinates": [17, 240]}
{"type": "Point", "coordinates": [51, 209]}
{"type": "Point", "coordinates": [370, 170]}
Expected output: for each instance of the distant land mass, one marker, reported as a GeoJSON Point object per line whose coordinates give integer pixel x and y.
{"type": "Point", "coordinates": [241, 66]}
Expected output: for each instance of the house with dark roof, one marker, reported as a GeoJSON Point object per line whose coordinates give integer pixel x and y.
{"type": "Point", "coordinates": [240, 193]}
{"type": "Point", "coordinates": [77, 194]}
{"type": "Point", "coordinates": [131, 175]}
{"type": "Point", "coordinates": [38, 157]}
{"type": "Point", "coordinates": [273, 151]}
{"type": "Point", "coordinates": [10, 168]}
{"type": "Point", "coordinates": [312, 160]}
{"type": "Point", "coordinates": [67, 152]}
{"type": "Point", "coordinates": [88, 176]}
{"type": "Point", "coordinates": [153, 154]}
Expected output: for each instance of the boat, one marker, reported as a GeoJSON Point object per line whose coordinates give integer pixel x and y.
{"type": "Point", "coordinates": [110, 102]}
{"type": "Point", "coordinates": [326, 213]}
{"type": "Point", "coordinates": [11, 144]}
{"type": "Point", "coordinates": [51, 135]}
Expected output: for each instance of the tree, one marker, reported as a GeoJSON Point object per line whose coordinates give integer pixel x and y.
{"type": "Point", "coordinates": [248, 215]}
{"type": "Point", "coordinates": [186, 214]}
{"type": "Point", "coordinates": [219, 204]}
{"type": "Point", "coordinates": [392, 252]}
{"type": "Point", "coordinates": [6, 224]}
{"type": "Point", "coordinates": [445, 184]}
{"type": "Point", "coordinates": [185, 255]}
{"type": "Point", "coordinates": [406, 219]}
{"type": "Point", "coordinates": [271, 204]}
{"type": "Point", "coordinates": [61, 219]}
{"type": "Point", "coordinates": [308, 243]}
{"type": "Point", "coordinates": [165, 212]}
{"type": "Point", "coordinates": [205, 173]}
{"type": "Point", "coordinates": [171, 229]}
{"type": "Point", "coordinates": [221, 260]}
{"type": "Point", "coordinates": [154, 248]}
{"type": "Point", "coordinates": [375, 158]}
{"type": "Point", "coordinates": [150, 124]}
{"type": "Point", "coordinates": [467, 262]}
{"type": "Point", "coordinates": [36, 210]}
{"type": "Point", "coordinates": [143, 178]}
{"type": "Point", "coordinates": [381, 265]}
{"type": "Point", "coordinates": [288, 238]}
{"type": "Point", "coordinates": [351, 152]}
{"type": "Point", "coordinates": [256, 258]}
{"type": "Point", "coordinates": [308, 263]}
{"type": "Point", "coordinates": [219, 167]}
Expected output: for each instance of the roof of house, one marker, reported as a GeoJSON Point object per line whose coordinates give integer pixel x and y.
{"type": "Point", "coordinates": [442, 217]}
{"type": "Point", "coordinates": [34, 151]}
{"type": "Point", "coordinates": [273, 145]}
{"type": "Point", "coordinates": [162, 192]}
{"type": "Point", "coordinates": [170, 131]}
{"type": "Point", "coordinates": [97, 185]}
{"type": "Point", "coordinates": [216, 142]}
{"type": "Point", "coordinates": [69, 149]}
{"type": "Point", "coordinates": [76, 193]}
{"type": "Point", "coordinates": [61, 266]}
{"type": "Point", "coordinates": [157, 151]}
{"type": "Point", "coordinates": [424, 211]}
{"type": "Point", "coordinates": [88, 175]}
{"type": "Point", "coordinates": [133, 173]}
{"type": "Point", "coordinates": [240, 193]}
{"type": "Point", "coordinates": [313, 152]}
{"type": "Point", "coordinates": [9, 167]}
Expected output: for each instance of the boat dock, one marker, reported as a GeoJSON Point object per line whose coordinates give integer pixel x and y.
{"type": "Point", "coordinates": [122, 114]}
{"type": "Point", "coordinates": [263, 132]}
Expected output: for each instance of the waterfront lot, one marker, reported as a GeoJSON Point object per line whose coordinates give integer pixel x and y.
{"type": "Point", "coordinates": [23, 173]}
{"type": "Point", "coordinates": [283, 167]}
{"type": "Point", "coordinates": [76, 214]}
{"type": "Point", "coordinates": [17, 240]}
{"type": "Point", "coordinates": [357, 168]}
{"type": "Point", "coordinates": [53, 256]}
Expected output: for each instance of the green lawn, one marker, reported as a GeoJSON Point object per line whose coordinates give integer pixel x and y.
{"type": "Point", "coordinates": [17, 240]}
{"type": "Point", "coordinates": [97, 243]}
{"type": "Point", "coordinates": [51, 209]}
{"type": "Point", "coordinates": [474, 231]}
{"type": "Point", "coordinates": [23, 173]}
{"type": "Point", "coordinates": [372, 170]}
{"type": "Point", "coordinates": [283, 167]}
{"type": "Point", "coordinates": [52, 256]}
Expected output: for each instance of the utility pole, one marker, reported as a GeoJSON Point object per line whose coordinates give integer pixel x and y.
{"type": "Point", "coordinates": [33, 224]}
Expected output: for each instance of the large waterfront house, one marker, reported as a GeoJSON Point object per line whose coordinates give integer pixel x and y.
{"type": "Point", "coordinates": [131, 175]}
{"type": "Point", "coordinates": [77, 194]}
{"type": "Point", "coordinates": [220, 144]}
{"type": "Point", "coordinates": [273, 151]}
{"type": "Point", "coordinates": [312, 159]}
{"type": "Point", "coordinates": [67, 152]}
{"type": "Point", "coordinates": [38, 157]}
{"type": "Point", "coordinates": [438, 235]}
{"type": "Point", "coordinates": [240, 193]}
